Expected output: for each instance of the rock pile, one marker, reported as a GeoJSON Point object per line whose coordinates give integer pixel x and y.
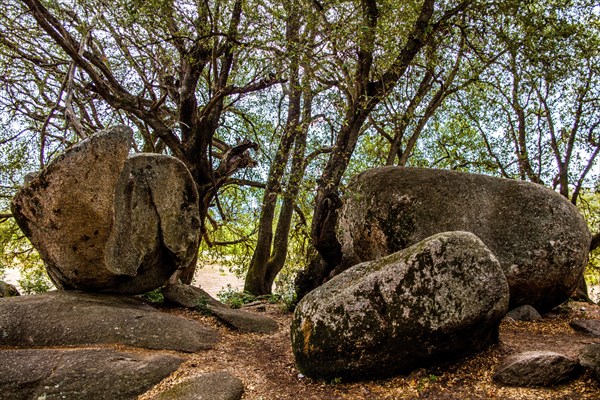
{"type": "Point", "coordinates": [105, 224]}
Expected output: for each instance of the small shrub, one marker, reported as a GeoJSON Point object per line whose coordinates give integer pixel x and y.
{"type": "Point", "coordinates": [233, 298]}
{"type": "Point", "coordinates": [202, 306]}
{"type": "Point", "coordinates": [154, 296]}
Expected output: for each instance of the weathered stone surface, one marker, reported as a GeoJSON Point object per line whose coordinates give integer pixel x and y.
{"type": "Point", "coordinates": [588, 326]}
{"type": "Point", "coordinates": [105, 222]}
{"type": "Point", "coordinates": [536, 368]}
{"type": "Point", "coordinates": [439, 299]}
{"type": "Point", "coordinates": [540, 238]}
{"type": "Point", "coordinates": [220, 385]}
{"type": "Point", "coordinates": [157, 223]}
{"type": "Point", "coordinates": [67, 318]}
{"type": "Point", "coordinates": [524, 313]}
{"type": "Point", "coordinates": [244, 321]}
{"type": "Point", "coordinates": [191, 297]}
{"type": "Point", "coordinates": [589, 358]}
{"type": "Point", "coordinates": [102, 374]}
{"type": "Point", "coordinates": [8, 290]}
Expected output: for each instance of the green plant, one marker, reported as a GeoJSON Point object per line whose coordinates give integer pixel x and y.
{"type": "Point", "coordinates": [34, 280]}
{"type": "Point", "coordinates": [233, 298]}
{"type": "Point", "coordinates": [154, 296]}
{"type": "Point", "coordinates": [202, 306]}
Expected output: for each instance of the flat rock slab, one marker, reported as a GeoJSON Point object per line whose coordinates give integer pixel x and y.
{"type": "Point", "coordinates": [193, 297]}
{"type": "Point", "coordinates": [536, 369]}
{"type": "Point", "coordinates": [588, 326]}
{"type": "Point", "coordinates": [72, 318]}
{"type": "Point", "coordinates": [220, 385]}
{"type": "Point", "coordinates": [81, 373]}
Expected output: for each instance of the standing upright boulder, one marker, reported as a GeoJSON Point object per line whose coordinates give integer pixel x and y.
{"type": "Point", "coordinates": [439, 299]}
{"type": "Point", "coordinates": [105, 222]}
{"type": "Point", "coordinates": [539, 237]}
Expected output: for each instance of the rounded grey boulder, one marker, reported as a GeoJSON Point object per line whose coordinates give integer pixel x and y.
{"type": "Point", "coordinates": [439, 299]}
{"type": "Point", "coordinates": [104, 222]}
{"type": "Point", "coordinates": [539, 237]}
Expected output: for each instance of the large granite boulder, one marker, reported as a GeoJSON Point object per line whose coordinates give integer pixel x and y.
{"type": "Point", "coordinates": [439, 299]}
{"type": "Point", "coordinates": [540, 238]}
{"type": "Point", "coordinates": [69, 318]}
{"type": "Point", "coordinates": [105, 222]}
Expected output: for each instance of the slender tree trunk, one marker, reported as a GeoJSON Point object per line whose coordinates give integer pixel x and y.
{"type": "Point", "coordinates": [284, 222]}
{"type": "Point", "coordinates": [256, 282]}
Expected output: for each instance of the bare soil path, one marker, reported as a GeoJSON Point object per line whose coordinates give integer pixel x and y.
{"type": "Point", "coordinates": [266, 366]}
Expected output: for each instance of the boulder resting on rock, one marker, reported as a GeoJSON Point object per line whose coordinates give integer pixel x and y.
{"type": "Point", "coordinates": [439, 299]}
{"type": "Point", "coordinates": [540, 239]}
{"type": "Point", "coordinates": [106, 222]}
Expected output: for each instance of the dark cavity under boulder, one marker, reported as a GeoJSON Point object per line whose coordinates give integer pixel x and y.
{"type": "Point", "coordinates": [100, 374]}
{"type": "Point", "coordinates": [437, 300]}
{"type": "Point", "coordinates": [539, 237]}
{"type": "Point", "coordinates": [66, 318]}
{"type": "Point", "coordinates": [104, 222]}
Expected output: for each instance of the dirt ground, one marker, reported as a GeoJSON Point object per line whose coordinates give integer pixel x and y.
{"type": "Point", "coordinates": [266, 365]}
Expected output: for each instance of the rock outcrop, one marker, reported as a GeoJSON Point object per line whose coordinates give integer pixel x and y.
{"type": "Point", "coordinates": [438, 299]}
{"type": "Point", "coordinates": [81, 374]}
{"type": "Point", "coordinates": [68, 318]}
{"type": "Point", "coordinates": [540, 238]}
{"type": "Point", "coordinates": [536, 368]}
{"type": "Point", "coordinates": [104, 222]}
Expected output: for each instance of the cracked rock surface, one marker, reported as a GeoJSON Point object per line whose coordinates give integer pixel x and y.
{"type": "Point", "coordinates": [106, 222]}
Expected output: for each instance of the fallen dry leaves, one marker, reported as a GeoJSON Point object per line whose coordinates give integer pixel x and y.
{"type": "Point", "coordinates": [266, 365]}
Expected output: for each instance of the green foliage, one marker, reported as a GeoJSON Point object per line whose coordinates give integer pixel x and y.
{"type": "Point", "coordinates": [202, 306]}
{"type": "Point", "coordinates": [154, 296]}
{"type": "Point", "coordinates": [426, 381]}
{"type": "Point", "coordinates": [589, 205]}
{"type": "Point", "coordinates": [237, 299]}
{"type": "Point", "coordinates": [233, 298]}
{"type": "Point", "coordinates": [16, 252]}
{"type": "Point", "coordinates": [35, 280]}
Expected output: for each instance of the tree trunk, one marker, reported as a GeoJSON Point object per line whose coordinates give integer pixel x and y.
{"type": "Point", "coordinates": [256, 282]}
{"type": "Point", "coordinates": [282, 232]}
